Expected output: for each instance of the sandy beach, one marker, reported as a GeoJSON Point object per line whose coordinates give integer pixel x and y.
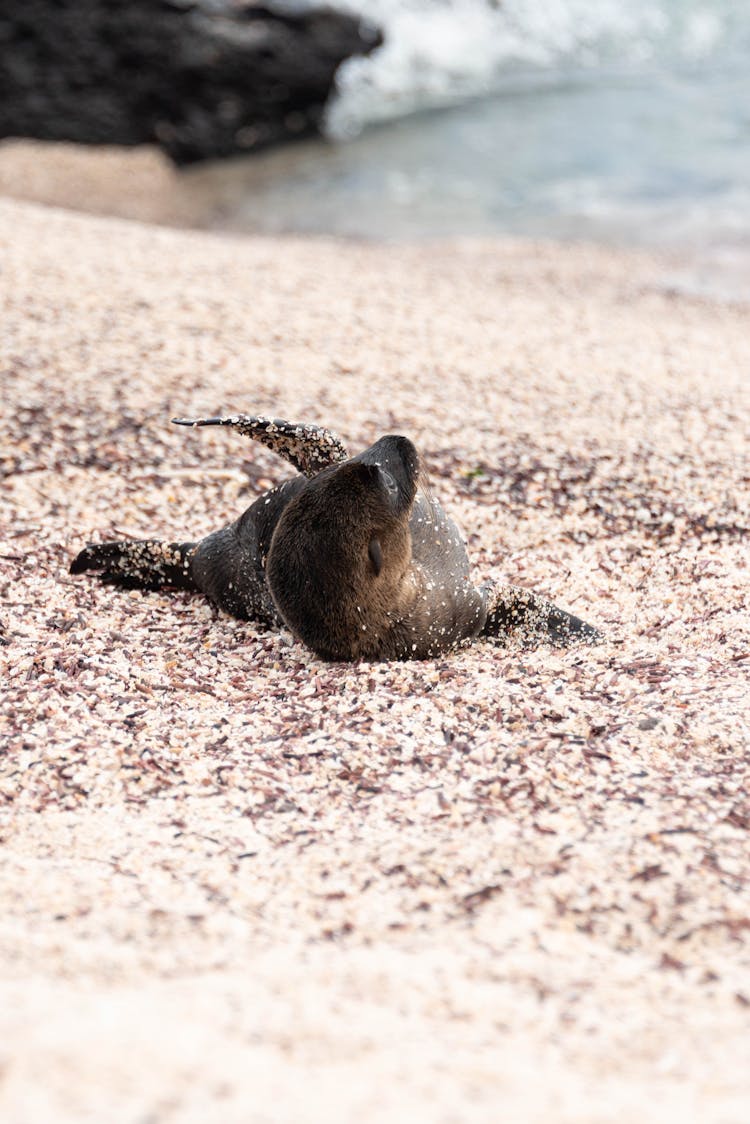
{"type": "Point", "coordinates": [242, 885]}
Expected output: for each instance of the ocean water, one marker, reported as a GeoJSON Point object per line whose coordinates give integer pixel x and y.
{"type": "Point", "coordinates": [623, 121]}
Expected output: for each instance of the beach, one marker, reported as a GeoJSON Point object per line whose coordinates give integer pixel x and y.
{"type": "Point", "coordinates": [240, 884]}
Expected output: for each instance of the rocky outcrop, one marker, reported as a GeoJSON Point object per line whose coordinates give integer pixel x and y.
{"type": "Point", "coordinates": [202, 80]}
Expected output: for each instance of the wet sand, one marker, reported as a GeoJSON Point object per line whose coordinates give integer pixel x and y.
{"type": "Point", "coordinates": [239, 884]}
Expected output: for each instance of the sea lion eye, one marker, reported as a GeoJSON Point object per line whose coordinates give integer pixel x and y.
{"type": "Point", "coordinates": [376, 555]}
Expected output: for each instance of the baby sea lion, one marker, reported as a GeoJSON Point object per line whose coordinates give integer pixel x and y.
{"type": "Point", "coordinates": [350, 555]}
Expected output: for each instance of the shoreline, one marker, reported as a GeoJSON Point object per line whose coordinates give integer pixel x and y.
{"type": "Point", "coordinates": [240, 883]}
{"type": "Point", "coordinates": [142, 185]}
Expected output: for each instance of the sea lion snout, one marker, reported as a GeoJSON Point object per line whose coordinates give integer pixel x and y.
{"type": "Point", "coordinates": [398, 461]}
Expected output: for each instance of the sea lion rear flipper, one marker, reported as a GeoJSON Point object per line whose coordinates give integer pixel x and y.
{"type": "Point", "coordinates": [309, 448]}
{"type": "Point", "coordinates": [516, 612]}
{"type": "Point", "coordinates": [138, 565]}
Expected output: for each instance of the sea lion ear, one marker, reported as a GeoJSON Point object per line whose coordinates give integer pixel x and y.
{"type": "Point", "coordinates": [376, 555]}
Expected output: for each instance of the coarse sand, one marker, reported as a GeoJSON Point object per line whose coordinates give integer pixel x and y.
{"type": "Point", "coordinates": [242, 885]}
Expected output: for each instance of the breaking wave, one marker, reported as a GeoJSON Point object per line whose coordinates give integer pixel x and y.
{"type": "Point", "coordinates": [439, 52]}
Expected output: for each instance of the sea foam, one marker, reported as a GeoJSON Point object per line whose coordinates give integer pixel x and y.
{"type": "Point", "coordinates": [438, 52]}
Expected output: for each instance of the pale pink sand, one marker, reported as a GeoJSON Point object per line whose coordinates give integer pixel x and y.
{"type": "Point", "coordinates": [242, 885]}
{"type": "Point", "coordinates": [133, 183]}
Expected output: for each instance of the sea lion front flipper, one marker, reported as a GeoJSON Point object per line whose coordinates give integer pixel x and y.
{"type": "Point", "coordinates": [309, 448]}
{"type": "Point", "coordinates": [144, 564]}
{"type": "Point", "coordinates": [516, 612]}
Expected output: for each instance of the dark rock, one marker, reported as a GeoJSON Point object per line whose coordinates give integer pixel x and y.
{"type": "Point", "coordinates": [202, 80]}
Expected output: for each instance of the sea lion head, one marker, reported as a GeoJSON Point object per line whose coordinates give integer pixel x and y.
{"type": "Point", "coordinates": [339, 562]}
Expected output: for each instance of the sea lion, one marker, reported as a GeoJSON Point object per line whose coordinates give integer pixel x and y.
{"type": "Point", "coordinates": [350, 554]}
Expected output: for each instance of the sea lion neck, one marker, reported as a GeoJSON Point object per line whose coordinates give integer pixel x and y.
{"type": "Point", "coordinates": [339, 565]}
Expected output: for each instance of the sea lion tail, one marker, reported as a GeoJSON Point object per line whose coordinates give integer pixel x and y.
{"type": "Point", "coordinates": [139, 565]}
{"type": "Point", "coordinates": [516, 612]}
